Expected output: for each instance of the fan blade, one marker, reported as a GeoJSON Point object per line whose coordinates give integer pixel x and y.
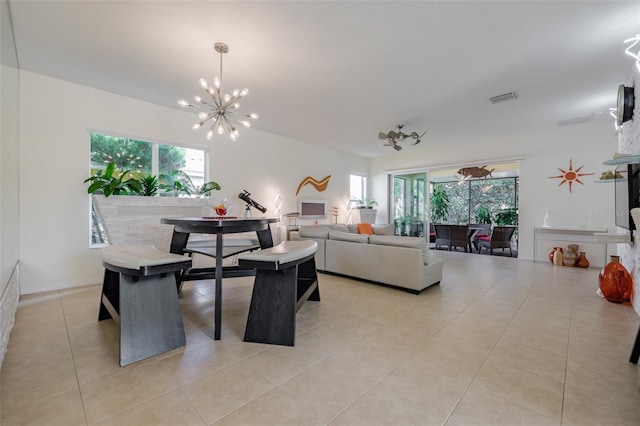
{"type": "Point", "coordinates": [397, 147]}
{"type": "Point", "coordinates": [393, 135]}
{"type": "Point", "coordinates": [382, 135]}
{"type": "Point", "coordinates": [414, 135]}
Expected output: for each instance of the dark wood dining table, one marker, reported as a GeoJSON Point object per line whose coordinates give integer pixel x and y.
{"type": "Point", "coordinates": [184, 226]}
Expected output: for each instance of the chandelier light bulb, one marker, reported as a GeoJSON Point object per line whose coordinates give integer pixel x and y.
{"type": "Point", "coordinates": [244, 92]}
{"type": "Point", "coordinates": [236, 92]}
{"type": "Point", "coordinates": [235, 105]}
{"type": "Point", "coordinates": [183, 103]}
{"type": "Point", "coordinates": [209, 134]}
{"type": "Point", "coordinates": [220, 129]}
{"type": "Point", "coordinates": [203, 83]}
{"type": "Point", "coordinates": [227, 97]}
{"type": "Point", "coordinates": [203, 115]}
{"type": "Point", "coordinates": [216, 82]}
{"type": "Point", "coordinates": [197, 99]}
{"type": "Point", "coordinates": [245, 123]}
{"type": "Point", "coordinates": [253, 115]}
{"type": "Point", "coordinates": [197, 126]}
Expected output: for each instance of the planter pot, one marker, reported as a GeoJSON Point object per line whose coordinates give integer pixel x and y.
{"type": "Point", "coordinates": [615, 282]}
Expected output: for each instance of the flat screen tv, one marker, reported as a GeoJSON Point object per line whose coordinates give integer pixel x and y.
{"type": "Point", "coordinates": [312, 209]}
{"type": "Point", "coordinates": [627, 194]}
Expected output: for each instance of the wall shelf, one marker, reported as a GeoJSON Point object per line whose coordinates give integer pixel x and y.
{"type": "Point", "coordinates": [609, 180]}
{"type": "Point", "coordinates": [622, 160]}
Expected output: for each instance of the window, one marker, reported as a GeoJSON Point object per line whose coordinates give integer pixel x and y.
{"type": "Point", "coordinates": [358, 187]}
{"type": "Point", "coordinates": [168, 163]}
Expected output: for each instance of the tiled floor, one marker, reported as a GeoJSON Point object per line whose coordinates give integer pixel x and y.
{"type": "Point", "coordinates": [500, 341]}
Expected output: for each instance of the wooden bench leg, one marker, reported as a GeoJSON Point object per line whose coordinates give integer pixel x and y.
{"type": "Point", "coordinates": [272, 313]}
{"type": "Point", "coordinates": [307, 283]}
{"type": "Point", "coordinates": [635, 352]}
{"type": "Point", "coordinates": [147, 311]}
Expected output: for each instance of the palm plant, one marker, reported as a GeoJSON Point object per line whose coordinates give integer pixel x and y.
{"type": "Point", "coordinates": [439, 204]}
{"type": "Point", "coordinates": [149, 185]}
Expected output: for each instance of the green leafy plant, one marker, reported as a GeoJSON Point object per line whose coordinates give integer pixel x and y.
{"type": "Point", "coordinates": [483, 215]}
{"type": "Point", "coordinates": [113, 182]}
{"type": "Point", "coordinates": [149, 185]}
{"type": "Point", "coordinates": [507, 217]}
{"type": "Point", "coordinates": [179, 182]}
{"type": "Point", "coordinates": [367, 203]}
{"type": "Point", "coordinates": [439, 202]}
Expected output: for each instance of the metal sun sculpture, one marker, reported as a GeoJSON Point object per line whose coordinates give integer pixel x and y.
{"type": "Point", "coordinates": [571, 175]}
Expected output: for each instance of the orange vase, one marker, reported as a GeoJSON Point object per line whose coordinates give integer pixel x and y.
{"type": "Point", "coordinates": [615, 282]}
{"type": "Point", "coordinates": [553, 252]}
{"type": "Point", "coordinates": [582, 261]}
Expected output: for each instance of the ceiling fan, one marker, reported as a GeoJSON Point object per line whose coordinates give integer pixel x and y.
{"type": "Point", "coordinates": [394, 137]}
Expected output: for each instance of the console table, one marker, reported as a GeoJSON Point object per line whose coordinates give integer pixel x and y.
{"type": "Point", "coordinates": [544, 239]}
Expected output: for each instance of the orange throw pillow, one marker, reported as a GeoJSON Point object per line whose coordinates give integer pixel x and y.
{"type": "Point", "coordinates": [365, 228]}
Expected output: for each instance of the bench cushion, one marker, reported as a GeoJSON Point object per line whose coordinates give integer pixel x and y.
{"type": "Point", "coordinates": [285, 252]}
{"type": "Point", "coordinates": [136, 256]}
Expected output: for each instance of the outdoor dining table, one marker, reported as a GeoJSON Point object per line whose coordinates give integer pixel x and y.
{"type": "Point", "coordinates": [184, 226]}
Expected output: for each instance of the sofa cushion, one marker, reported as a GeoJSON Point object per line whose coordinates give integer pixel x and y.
{"type": "Point", "coordinates": [395, 240]}
{"type": "Point", "coordinates": [383, 229]}
{"type": "Point", "coordinates": [339, 227]}
{"type": "Point", "coordinates": [353, 228]}
{"type": "Point", "coordinates": [365, 228]}
{"type": "Point", "coordinates": [319, 231]}
{"type": "Point", "coordinates": [348, 236]}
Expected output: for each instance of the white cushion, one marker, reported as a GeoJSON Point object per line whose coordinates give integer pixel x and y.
{"type": "Point", "coordinates": [353, 228]}
{"type": "Point", "coordinates": [383, 229]}
{"type": "Point", "coordinates": [286, 251]}
{"type": "Point", "coordinates": [348, 236]}
{"type": "Point", "coordinates": [395, 240]}
{"type": "Point", "coordinates": [319, 231]}
{"type": "Point", "coordinates": [135, 256]}
{"type": "Point", "coordinates": [341, 227]}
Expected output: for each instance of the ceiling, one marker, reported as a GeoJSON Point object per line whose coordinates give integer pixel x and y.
{"type": "Point", "coordinates": [337, 73]}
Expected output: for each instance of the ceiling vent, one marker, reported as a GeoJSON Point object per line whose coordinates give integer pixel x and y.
{"type": "Point", "coordinates": [576, 120]}
{"type": "Point", "coordinates": [503, 98]}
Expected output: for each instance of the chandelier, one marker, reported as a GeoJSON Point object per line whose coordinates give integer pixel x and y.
{"type": "Point", "coordinates": [221, 111]}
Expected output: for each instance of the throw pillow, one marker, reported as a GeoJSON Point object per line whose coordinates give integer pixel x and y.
{"type": "Point", "coordinates": [410, 242]}
{"type": "Point", "coordinates": [365, 228]}
{"type": "Point", "coordinates": [320, 231]}
{"type": "Point", "coordinates": [348, 236]}
{"type": "Point", "coordinates": [383, 229]}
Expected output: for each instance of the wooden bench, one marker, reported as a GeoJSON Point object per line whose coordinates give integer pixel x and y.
{"type": "Point", "coordinates": [286, 277]}
{"type": "Point", "coordinates": [139, 292]}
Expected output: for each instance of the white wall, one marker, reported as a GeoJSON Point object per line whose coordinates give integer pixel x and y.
{"type": "Point", "coordinates": [587, 144]}
{"type": "Point", "coordinates": [9, 188]}
{"type": "Point", "coordinates": [55, 116]}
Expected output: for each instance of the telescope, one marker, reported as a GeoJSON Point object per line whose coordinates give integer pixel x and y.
{"type": "Point", "coordinates": [245, 196]}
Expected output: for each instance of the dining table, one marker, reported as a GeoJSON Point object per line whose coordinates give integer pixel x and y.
{"type": "Point", "coordinates": [218, 226]}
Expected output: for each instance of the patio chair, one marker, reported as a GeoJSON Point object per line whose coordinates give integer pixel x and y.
{"type": "Point", "coordinates": [442, 235]}
{"type": "Point", "coordinates": [459, 237]}
{"type": "Point", "coordinates": [484, 231]}
{"type": "Point", "coordinates": [500, 238]}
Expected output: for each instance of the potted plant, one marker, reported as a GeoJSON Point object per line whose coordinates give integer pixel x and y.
{"type": "Point", "coordinates": [439, 204]}
{"type": "Point", "coordinates": [366, 203]}
{"type": "Point", "coordinates": [483, 215]}
{"type": "Point", "coordinates": [149, 185]}
{"type": "Point", "coordinates": [179, 182]}
{"type": "Point", "coordinates": [113, 182]}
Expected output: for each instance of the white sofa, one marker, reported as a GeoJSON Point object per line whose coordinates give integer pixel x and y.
{"type": "Point", "coordinates": [382, 257]}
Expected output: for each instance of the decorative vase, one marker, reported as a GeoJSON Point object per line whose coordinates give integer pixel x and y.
{"type": "Point", "coordinates": [582, 261]}
{"type": "Point", "coordinates": [615, 282]}
{"type": "Point", "coordinates": [557, 257]}
{"type": "Point", "coordinates": [553, 252]}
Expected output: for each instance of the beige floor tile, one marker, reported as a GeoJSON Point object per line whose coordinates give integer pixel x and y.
{"type": "Point", "coordinates": [197, 361]}
{"type": "Point", "coordinates": [623, 389]}
{"type": "Point", "coordinates": [273, 408]}
{"type": "Point", "coordinates": [330, 386]}
{"type": "Point", "coordinates": [532, 360]}
{"type": "Point", "coordinates": [481, 409]}
{"type": "Point", "coordinates": [224, 391]}
{"type": "Point", "coordinates": [582, 409]}
{"type": "Point", "coordinates": [552, 343]}
{"type": "Point", "coordinates": [378, 407]}
{"type": "Point", "coordinates": [170, 409]}
{"type": "Point", "coordinates": [523, 388]}
{"type": "Point", "coordinates": [106, 396]}
{"type": "Point", "coordinates": [64, 409]}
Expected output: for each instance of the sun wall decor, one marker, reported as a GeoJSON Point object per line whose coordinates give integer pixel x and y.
{"type": "Point", "coordinates": [319, 185]}
{"type": "Point", "coordinates": [571, 176]}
